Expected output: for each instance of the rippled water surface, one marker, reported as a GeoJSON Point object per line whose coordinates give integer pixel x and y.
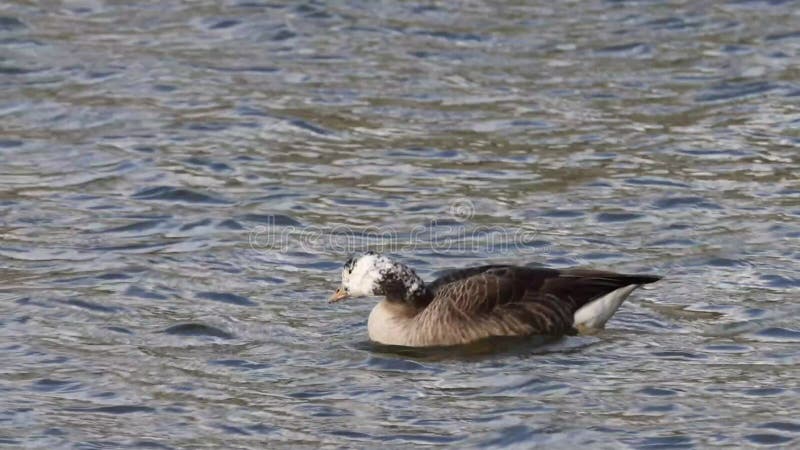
{"type": "Point", "coordinates": [177, 182]}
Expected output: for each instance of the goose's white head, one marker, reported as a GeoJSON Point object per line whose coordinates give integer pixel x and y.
{"type": "Point", "coordinates": [374, 274]}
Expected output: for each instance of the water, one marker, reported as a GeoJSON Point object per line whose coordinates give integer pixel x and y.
{"type": "Point", "coordinates": [177, 182]}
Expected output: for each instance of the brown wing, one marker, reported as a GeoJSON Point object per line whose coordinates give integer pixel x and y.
{"type": "Point", "coordinates": [460, 274]}
{"type": "Point", "coordinates": [511, 300]}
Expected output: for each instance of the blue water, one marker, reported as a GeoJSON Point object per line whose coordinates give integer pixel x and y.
{"type": "Point", "coordinates": [180, 183]}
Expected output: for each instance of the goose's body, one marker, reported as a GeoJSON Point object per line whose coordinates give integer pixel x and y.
{"type": "Point", "coordinates": [471, 304]}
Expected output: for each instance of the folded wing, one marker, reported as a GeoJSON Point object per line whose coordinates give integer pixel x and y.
{"type": "Point", "coordinates": [512, 300]}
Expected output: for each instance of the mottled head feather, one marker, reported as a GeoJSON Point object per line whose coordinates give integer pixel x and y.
{"type": "Point", "coordinates": [375, 274]}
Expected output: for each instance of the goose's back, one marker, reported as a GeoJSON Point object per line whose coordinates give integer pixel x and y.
{"type": "Point", "coordinates": [478, 302]}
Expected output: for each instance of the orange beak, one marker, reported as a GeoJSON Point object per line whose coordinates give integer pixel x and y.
{"type": "Point", "coordinates": [338, 296]}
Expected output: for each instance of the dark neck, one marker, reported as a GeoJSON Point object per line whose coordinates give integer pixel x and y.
{"type": "Point", "coordinates": [418, 299]}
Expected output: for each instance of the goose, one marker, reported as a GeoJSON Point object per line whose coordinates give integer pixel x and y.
{"type": "Point", "coordinates": [467, 305]}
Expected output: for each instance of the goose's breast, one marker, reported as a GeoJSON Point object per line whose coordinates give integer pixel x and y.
{"type": "Point", "coordinates": [389, 324]}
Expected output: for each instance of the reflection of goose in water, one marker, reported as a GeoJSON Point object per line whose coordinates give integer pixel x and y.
{"type": "Point", "coordinates": [470, 304]}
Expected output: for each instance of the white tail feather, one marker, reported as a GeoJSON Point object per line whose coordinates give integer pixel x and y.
{"type": "Point", "coordinates": [595, 314]}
